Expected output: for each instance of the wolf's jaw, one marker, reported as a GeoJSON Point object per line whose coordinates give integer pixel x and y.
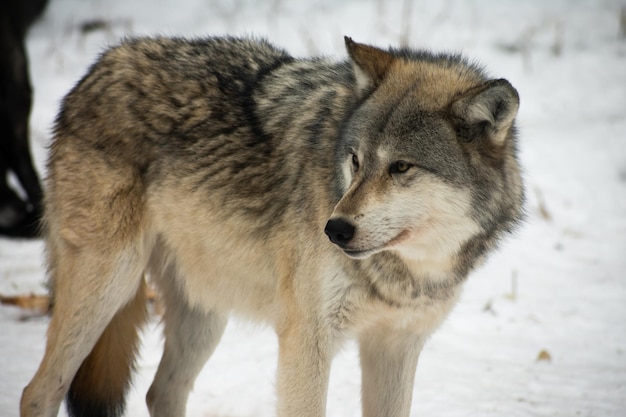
{"type": "Point", "coordinates": [360, 254]}
{"type": "Point", "coordinates": [366, 253]}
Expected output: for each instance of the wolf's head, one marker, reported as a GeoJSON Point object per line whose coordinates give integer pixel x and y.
{"type": "Point", "coordinates": [427, 162]}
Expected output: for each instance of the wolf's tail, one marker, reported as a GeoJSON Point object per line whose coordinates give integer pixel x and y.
{"type": "Point", "coordinates": [102, 381]}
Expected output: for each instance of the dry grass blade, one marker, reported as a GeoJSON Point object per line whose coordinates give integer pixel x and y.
{"type": "Point", "coordinates": [39, 303]}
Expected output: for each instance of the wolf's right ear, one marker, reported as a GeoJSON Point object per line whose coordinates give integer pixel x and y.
{"type": "Point", "coordinates": [370, 64]}
{"type": "Point", "coordinates": [488, 110]}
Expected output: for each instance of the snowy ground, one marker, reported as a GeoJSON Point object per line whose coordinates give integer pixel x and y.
{"type": "Point", "coordinates": [557, 286]}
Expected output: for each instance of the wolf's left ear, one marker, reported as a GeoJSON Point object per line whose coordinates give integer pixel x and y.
{"type": "Point", "coordinates": [488, 110]}
{"type": "Point", "coordinates": [370, 64]}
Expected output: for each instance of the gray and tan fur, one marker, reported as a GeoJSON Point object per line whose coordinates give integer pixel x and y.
{"type": "Point", "coordinates": [220, 167]}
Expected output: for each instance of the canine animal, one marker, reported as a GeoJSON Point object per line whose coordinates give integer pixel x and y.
{"type": "Point", "coordinates": [221, 168]}
{"type": "Point", "coordinates": [18, 217]}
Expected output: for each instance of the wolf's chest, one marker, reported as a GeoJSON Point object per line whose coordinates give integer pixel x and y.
{"type": "Point", "coordinates": [414, 307]}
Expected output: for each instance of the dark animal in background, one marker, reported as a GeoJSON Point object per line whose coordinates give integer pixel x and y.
{"type": "Point", "coordinates": [19, 216]}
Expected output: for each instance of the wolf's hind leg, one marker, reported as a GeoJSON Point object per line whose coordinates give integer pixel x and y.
{"type": "Point", "coordinates": [191, 335]}
{"type": "Point", "coordinates": [91, 287]}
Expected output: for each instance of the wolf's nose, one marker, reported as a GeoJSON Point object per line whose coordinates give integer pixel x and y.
{"type": "Point", "coordinates": [339, 231]}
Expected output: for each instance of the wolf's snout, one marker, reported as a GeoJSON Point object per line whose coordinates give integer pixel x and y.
{"type": "Point", "coordinates": [339, 231]}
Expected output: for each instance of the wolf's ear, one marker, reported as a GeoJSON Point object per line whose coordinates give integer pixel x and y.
{"type": "Point", "coordinates": [488, 110]}
{"type": "Point", "coordinates": [370, 64]}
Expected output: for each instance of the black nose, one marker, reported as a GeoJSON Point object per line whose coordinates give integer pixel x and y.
{"type": "Point", "coordinates": [339, 231]}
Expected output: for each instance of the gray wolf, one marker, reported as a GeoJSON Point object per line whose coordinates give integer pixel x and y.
{"type": "Point", "coordinates": [19, 217]}
{"type": "Point", "coordinates": [220, 168]}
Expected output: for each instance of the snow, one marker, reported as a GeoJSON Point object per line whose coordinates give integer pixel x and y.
{"type": "Point", "coordinates": [558, 285]}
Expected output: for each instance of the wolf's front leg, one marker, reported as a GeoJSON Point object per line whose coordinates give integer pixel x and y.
{"type": "Point", "coordinates": [303, 372]}
{"type": "Point", "coordinates": [388, 363]}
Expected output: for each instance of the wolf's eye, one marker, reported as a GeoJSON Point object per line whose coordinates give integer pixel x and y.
{"type": "Point", "coordinates": [399, 167]}
{"type": "Point", "coordinates": [355, 162]}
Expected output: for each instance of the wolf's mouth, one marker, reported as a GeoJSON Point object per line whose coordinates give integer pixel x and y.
{"type": "Point", "coordinates": [398, 238]}
{"type": "Point", "coordinates": [364, 253]}
{"type": "Point", "coordinates": [360, 254]}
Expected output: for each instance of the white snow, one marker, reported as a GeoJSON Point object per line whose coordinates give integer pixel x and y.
{"type": "Point", "coordinates": [558, 285]}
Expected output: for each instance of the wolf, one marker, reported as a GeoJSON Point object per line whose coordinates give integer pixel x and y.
{"type": "Point", "coordinates": [19, 216]}
{"type": "Point", "coordinates": [329, 199]}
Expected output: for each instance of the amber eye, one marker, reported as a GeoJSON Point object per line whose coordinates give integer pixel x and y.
{"type": "Point", "coordinates": [355, 162]}
{"type": "Point", "coordinates": [399, 167]}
